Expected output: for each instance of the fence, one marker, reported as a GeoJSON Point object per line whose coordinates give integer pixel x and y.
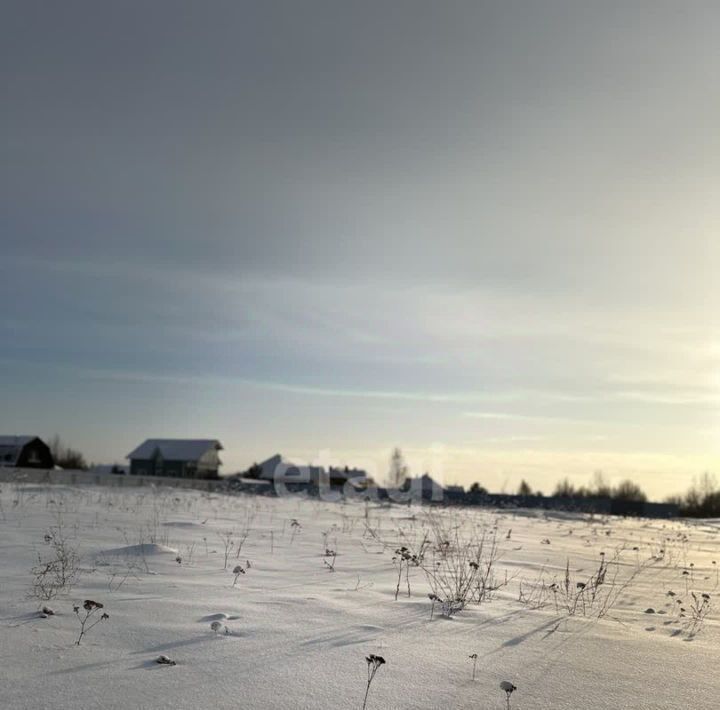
{"type": "Point", "coordinates": [89, 478]}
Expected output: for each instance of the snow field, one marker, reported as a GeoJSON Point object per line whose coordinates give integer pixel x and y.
{"type": "Point", "coordinates": [294, 633]}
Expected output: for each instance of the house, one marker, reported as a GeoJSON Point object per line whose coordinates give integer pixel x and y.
{"type": "Point", "coordinates": [280, 469]}
{"type": "Point", "coordinates": [356, 476]}
{"type": "Point", "coordinates": [177, 458]}
{"type": "Point", "coordinates": [454, 494]}
{"type": "Point", "coordinates": [25, 452]}
{"type": "Point", "coordinates": [425, 488]}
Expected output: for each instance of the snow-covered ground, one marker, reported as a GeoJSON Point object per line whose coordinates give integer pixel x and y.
{"type": "Point", "coordinates": [295, 634]}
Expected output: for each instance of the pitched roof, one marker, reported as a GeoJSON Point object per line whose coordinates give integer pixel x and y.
{"type": "Point", "coordinates": [425, 481]}
{"type": "Point", "coordinates": [281, 465]}
{"type": "Point", "coordinates": [11, 447]}
{"type": "Point", "coordinates": [175, 449]}
{"type": "Point", "coordinates": [16, 440]}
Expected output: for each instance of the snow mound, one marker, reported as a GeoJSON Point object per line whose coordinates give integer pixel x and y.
{"type": "Point", "coordinates": [142, 550]}
{"type": "Point", "coordinates": [220, 616]}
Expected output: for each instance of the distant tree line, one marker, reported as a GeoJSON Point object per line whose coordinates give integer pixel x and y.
{"type": "Point", "coordinates": [702, 499]}
{"type": "Point", "coordinates": [65, 456]}
{"type": "Point", "coordinates": [625, 490]}
{"type": "Point", "coordinates": [600, 488]}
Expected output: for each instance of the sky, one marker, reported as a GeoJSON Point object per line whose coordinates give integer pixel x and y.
{"type": "Point", "coordinates": [485, 232]}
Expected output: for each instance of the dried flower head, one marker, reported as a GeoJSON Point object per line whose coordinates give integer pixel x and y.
{"type": "Point", "coordinates": [373, 663]}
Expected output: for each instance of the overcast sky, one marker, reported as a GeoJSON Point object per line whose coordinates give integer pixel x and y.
{"type": "Point", "coordinates": [484, 231]}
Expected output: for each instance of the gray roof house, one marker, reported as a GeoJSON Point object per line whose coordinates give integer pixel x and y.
{"type": "Point", "coordinates": [279, 468]}
{"type": "Point", "coordinates": [25, 452]}
{"type": "Point", "coordinates": [425, 488]}
{"type": "Point", "coordinates": [177, 458]}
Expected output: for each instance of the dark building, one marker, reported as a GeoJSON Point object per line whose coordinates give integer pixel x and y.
{"type": "Point", "coordinates": [176, 458]}
{"type": "Point", "coordinates": [25, 452]}
{"type": "Point", "coordinates": [280, 469]}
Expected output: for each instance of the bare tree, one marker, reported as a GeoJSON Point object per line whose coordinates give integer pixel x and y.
{"type": "Point", "coordinates": [630, 491]}
{"type": "Point", "coordinates": [65, 456]}
{"type": "Point", "coordinates": [600, 487]}
{"type": "Point", "coordinates": [477, 489]}
{"type": "Point", "coordinates": [524, 488]}
{"type": "Point", "coordinates": [565, 489]}
{"type": "Point", "coordinates": [398, 469]}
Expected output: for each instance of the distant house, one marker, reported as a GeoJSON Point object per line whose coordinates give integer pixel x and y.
{"type": "Point", "coordinates": [454, 490]}
{"type": "Point", "coordinates": [177, 458]}
{"type": "Point", "coordinates": [25, 452]}
{"type": "Point", "coordinates": [425, 487]}
{"type": "Point", "coordinates": [278, 468]}
{"type": "Point", "coordinates": [340, 476]}
{"type": "Point", "coordinates": [454, 494]}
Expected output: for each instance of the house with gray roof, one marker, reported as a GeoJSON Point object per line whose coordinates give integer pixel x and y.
{"type": "Point", "coordinates": [176, 458]}
{"type": "Point", "coordinates": [279, 468]}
